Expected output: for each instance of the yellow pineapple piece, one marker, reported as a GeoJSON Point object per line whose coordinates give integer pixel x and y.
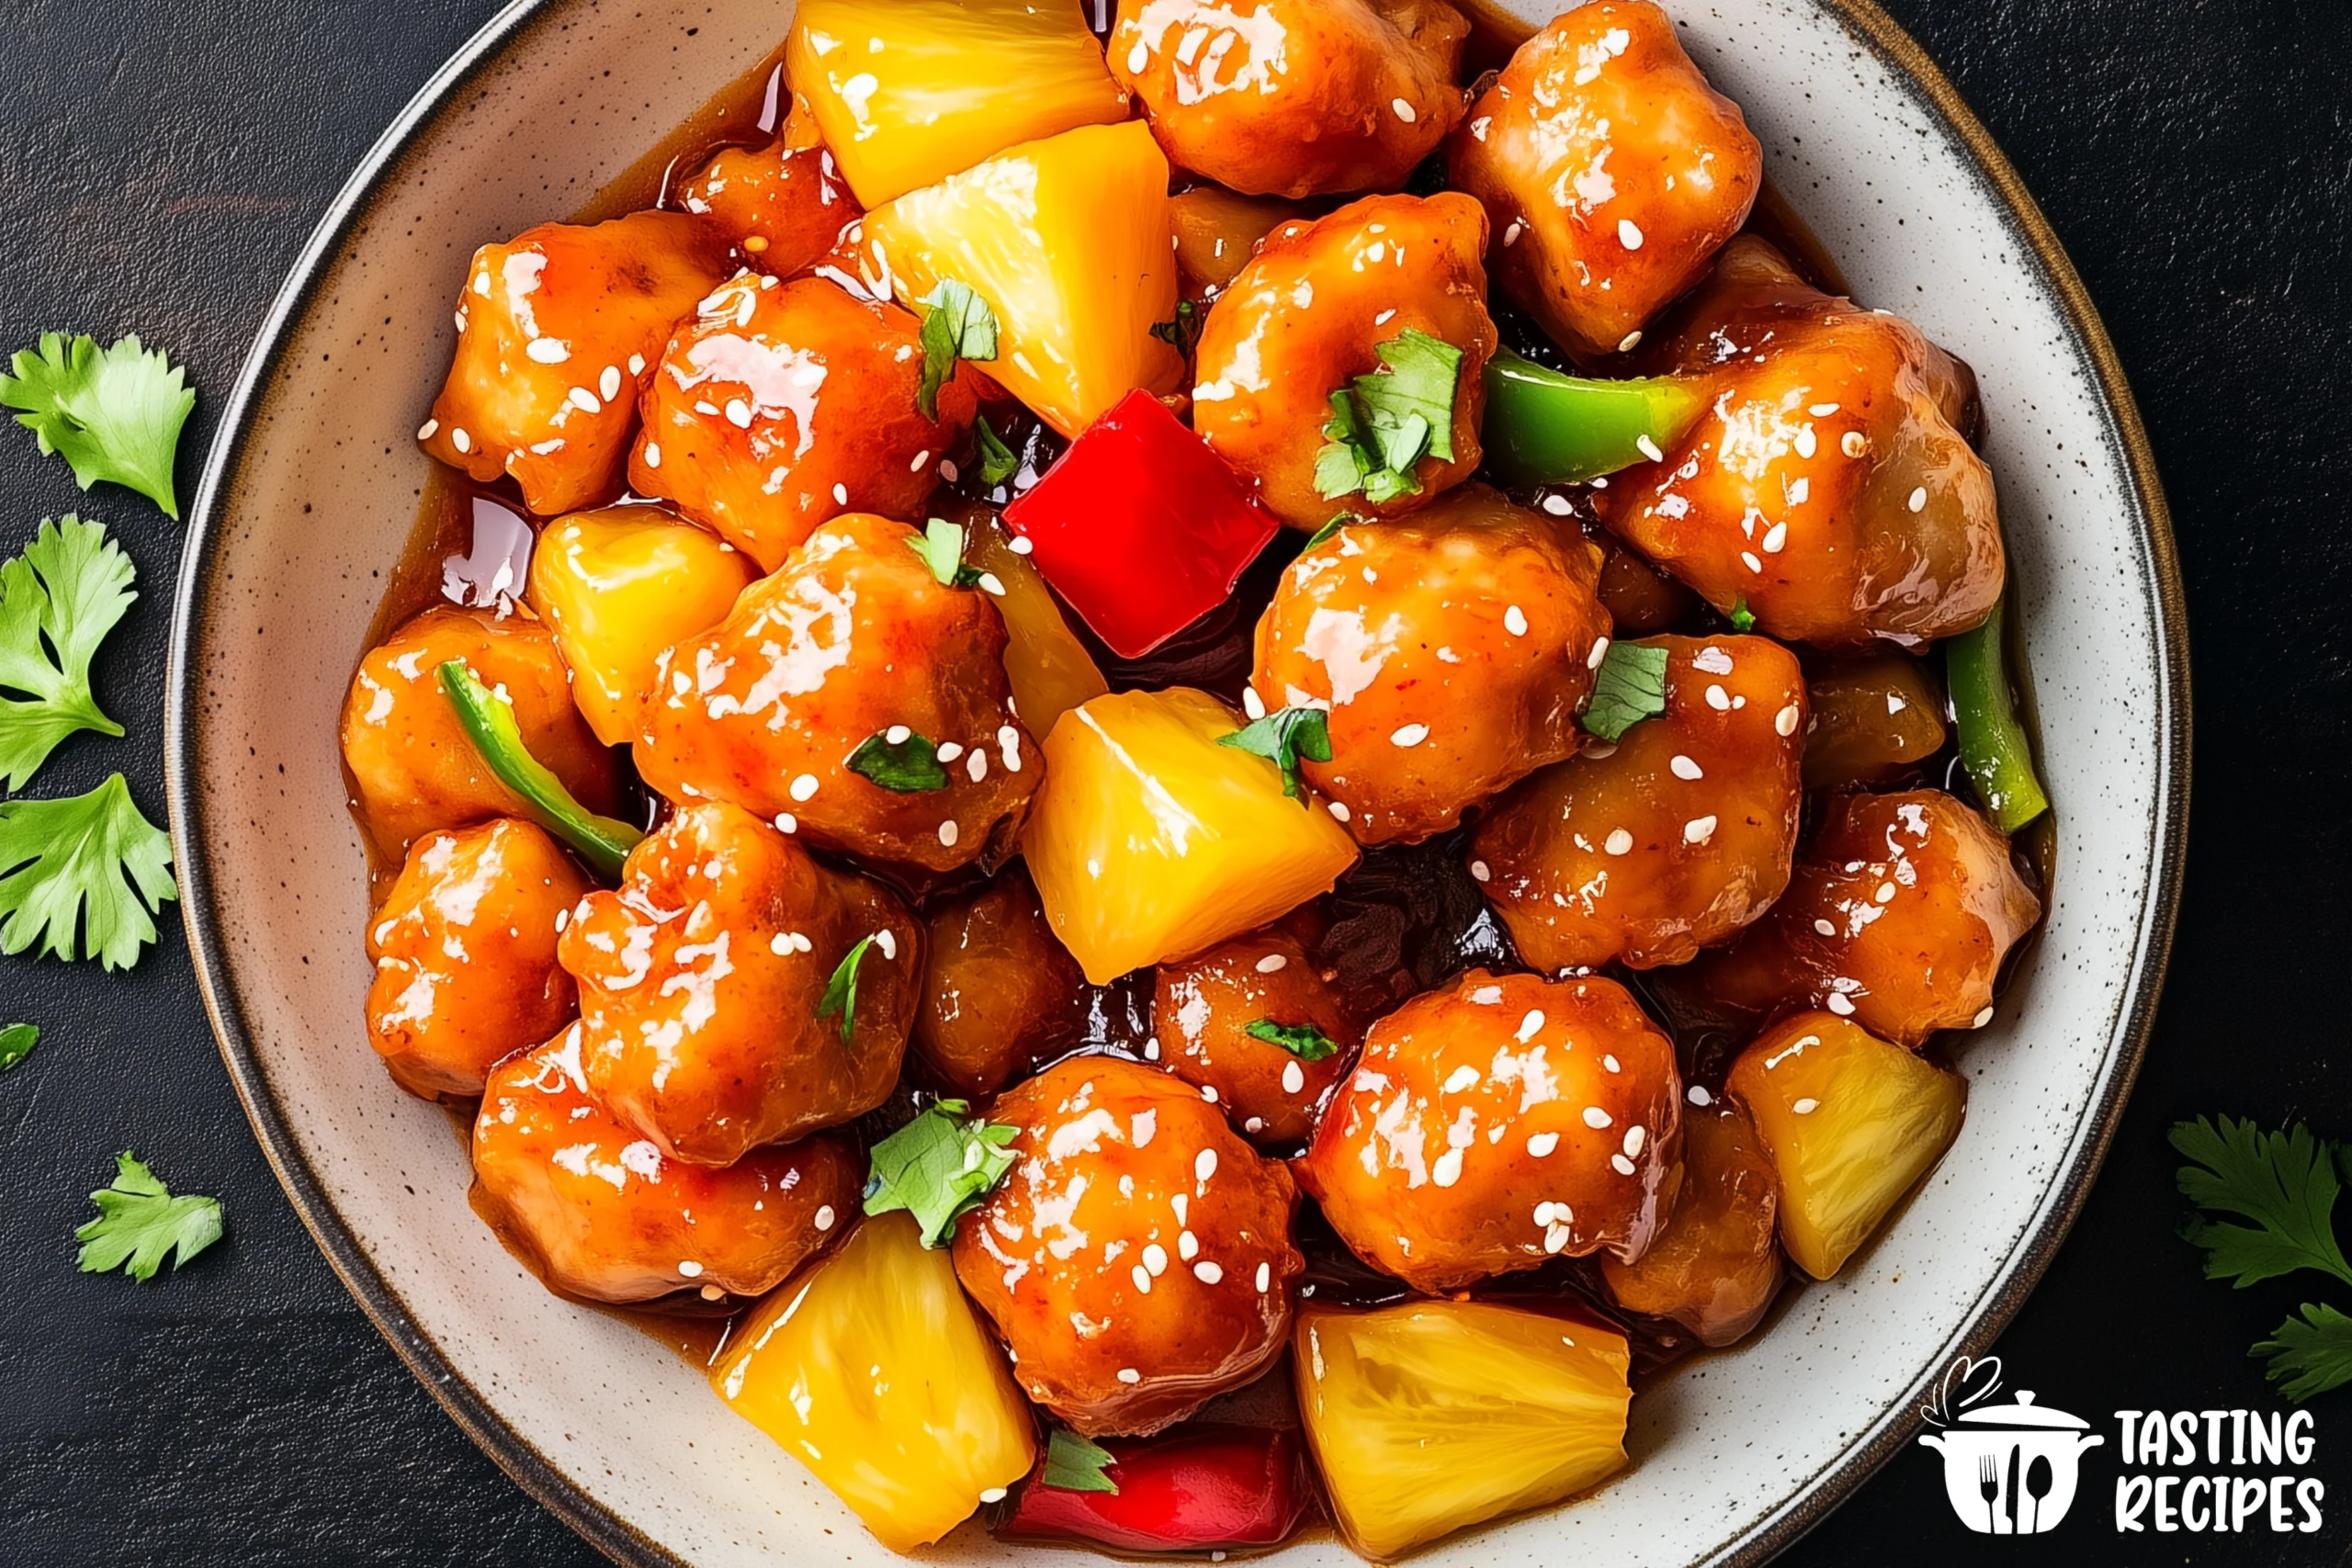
{"type": "Point", "coordinates": [621, 585]}
{"type": "Point", "coordinates": [908, 92]}
{"type": "Point", "coordinates": [1149, 840]}
{"type": "Point", "coordinates": [1850, 1122]}
{"type": "Point", "coordinates": [1432, 1416]}
{"type": "Point", "coordinates": [869, 1368]}
{"type": "Point", "coordinates": [1050, 669]}
{"type": "Point", "coordinates": [1071, 242]}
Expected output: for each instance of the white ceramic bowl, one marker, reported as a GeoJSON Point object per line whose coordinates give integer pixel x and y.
{"type": "Point", "coordinates": [313, 486]}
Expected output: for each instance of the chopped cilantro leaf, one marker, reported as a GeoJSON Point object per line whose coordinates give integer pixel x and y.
{"type": "Point", "coordinates": [1743, 619]}
{"type": "Point", "coordinates": [941, 546]}
{"type": "Point", "coordinates": [139, 1224]}
{"type": "Point", "coordinates": [998, 461]}
{"type": "Point", "coordinates": [113, 413]}
{"type": "Point", "coordinates": [1629, 687]}
{"type": "Point", "coordinates": [841, 989]}
{"type": "Point", "coordinates": [909, 765]}
{"type": "Point", "coordinates": [1076, 1465]}
{"type": "Point", "coordinates": [2284, 1182]}
{"type": "Point", "coordinates": [1322, 535]}
{"type": "Point", "coordinates": [1181, 332]}
{"type": "Point", "coordinates": [1303, 1041]}
{"type": "Point", "coordinates": [938, 1167]}
{"type": "Point", "coordinates": [1283, 738]}
{"type": "Point", "coordinates": [2311, 1354]}
{"type": "Point", "coordinates": [1382, 425]}
{"type": "Point", "coordinates": [956, 325]}
{"type": "Point", "coordinates": [16, 1042]}
{"type": "Point", "coordinates": [58, 601]}
{"type": "Point", "coordinates": [82, 877]}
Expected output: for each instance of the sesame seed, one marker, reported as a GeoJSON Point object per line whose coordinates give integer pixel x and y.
{"type": "Point", "coordinates": [804, 786]}
{"type": "Point", "coordinates": [1718, 699]}
{"type": "Point", "coordinates": [1807, 443]}
{"type": "Point", "coordinates": [1620, 1165]}
{"type": "Point", "coordinates": [460, 440]}
{"type": "Point", "coordinates": [1825, 928]}
{"type": "Point", "coordinates": [1684, 768]}
{"type": "Point", "coordinates": [1648, 448]}
{"type": "Point", "coordinates": [1697, 1095]}
{"type": "Point", "coordinates": [1143, 1282]}
{"type": "Point", "coordinates": [1480, 871]}
{"type": "Point", "coordinates": [548, 350]}
{"type": "Point", "coordinates": [1698, 830]}
{"type": "Point", "coordinates": [1558, 1237]}
{"type": "Point", "coordinates": [1557, 505]}
{"type": "Point", "coordinates": [584, 401]}
{"type": "Point", "coordinates": [1462, 1077]}
{"type": "Point", "coordinates": [1515, 621]}
{"type": "Point", "coordinates": [1984, 1017]}
{"type": "Point", "coordinates": [1207, 1273]}
{"type": "Point", "coordinates": [993, 1494]}
{"type": "Point", "coordinates": [1252, 704]}
{"type": "Point", "coordinates": [825, 1218]}
{"type": "Point", "coordinates": [1748, 559]}
{"type": "Point", "coordinates": [1619, 842]}
{"type": "Point", "coordinates": [786, 822]}
{"type": "Point", "coordinates": [690, 1268]}
{"type": "Point", "coordinates": [977, 767]}
{"type": "Point", "coordinates": [1599, 651]}
{"type": "Point", "coordinates": [897, 735]}
{"type": "Point", "coordinates": [1806, 1107]}
{"type": "Point", "coordinates": [841, 495]}
{"type": "Point", "coordinates": [1204, 1165]}
{"type": "Point", "coordinates": [713, 1293]}
{"type": "Point", "coordinates": [637, 364]}
{"type": "Point", "coordinates": [1635, 1138]}
{"type": "Point", "coordinates": [1272, 964]}
{"type": "Point", "coordinates": [1595, 1117]}
{"type": "Point", "coordinates": [887, 940]}
{"type": "Point", "coordinates": [1919, 498]}
{"type": "Point", "coordinates": [1293, 1076]}
{"type": "Point", "coordinates": [1630, 341]}
{"type": "Point", "coordinates": [738, 414]}
{"type": "Point", "coordinates": [1020, 544]}
{"type": "Point", "coordinates": [1340, 811]}
{"type": "Point", "coordinates": [1265, 1277]}
{"type": "Point", "coordinates": [652, 456]}
{"type": "Point", "coordinates": [1853, 443]}
{"type": "Point", "coordinates": [1542, 1145]}
{"type": "Point", "coordinates": [1629, 234]}
{"type": "Point", "coordinates": [1404, 110]}
{"type": "Point", "coordinates": [1885, 894]}
{"type": "Point", "coordinates": [1529, 1025]}
{"type": "Point", "coordinates": [1787, 719]}
{"type": "Point", "coordinates": [1822, 411]}
{"type": "Point", "coordinates": [609, 383]}
{"type": "Point", "coordinates": [1838, 1004]}
{"type": "Point", "coordinates": [1777, 536]}
{"type": "Point", "coordinates": [950, 750]}
{"type": "Point", "coordinates": [947, 834]}
{"type": "Point", "coordinates": [1411, 735]}
{"type": "Point", "coordinates": [1447, 1170]}
{"type": "Point", "coordinates": [425, 431]}
{"type": "Point", "coordinates": [1128, 1374]}
{"type": "Point", "coordinates": [1155, 1259]}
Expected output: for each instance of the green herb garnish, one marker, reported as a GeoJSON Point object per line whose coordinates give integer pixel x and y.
{"type": "Point", "coordinates": [998, 461]}
{"type": "Point", "coordinates": [82, 877]}
{"type": "Point", "coordinates": [941, 546]}
{"type": "Point", "coordinates": [1182, 332]}
{"type": "Point", "coordinates": [1303, 1041]}
{"type": "Point", "coordinates": [1075, 1464]}
{"type": "Point", "coordinates": [16, 1042]}
{"type": "Point", "coordinates": [840, 990]}
{"type": "Point", "coordinates": [58, 601]}
{"type": "Point", "coordinates": [908, 765]}
{"type": "Point", "coordinates": [956, 325]}
{"type": "Point", "coordinates": [1324, 533]}
{"type": "Point", "coordinates": [1283, 738]}
{"type": "Point", "coordinates": [1629, 687]}
{"type": "Point", "coordinates": [488, 718]}
{"type": "Point", "coordinates": [1382, 425]}
{"type": "Point", "coordinates": [938, 1167]}
{"type": "Point", "coordinates": [113, 413]}
{"type": "Point", "coordinates": [139, 1224]}
{"type": "Point", "coordinates": [1743, 620]}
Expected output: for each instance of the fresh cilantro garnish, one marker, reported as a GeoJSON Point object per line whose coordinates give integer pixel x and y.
{"type": "Point", "coordinates": [1075, 1464]}
{"type": "Point", "coordinates": [58, 601]}
{"type": "Point", "coordinates": [1333, 527]}
{"type": "Point", "coordinates": [998, 461]}
{"type": "Point", "coordinates": [840, 990]}
{"type": "Point", "coordinates": [1182, 332]}
{"type": "Point", "coordinates": [139, 1224]}
{"type": "Point", "coordinates": [2286, 1184]}
{"type": "Point", "coordinates": [1629, 687]}
{"type": "Point", "coordinates": [1743, 619]}
{"type": "Point", "coordinates": [1303, 1041]}
{"type": "Point", "coordinates": [956, 325]}
{"type": "Point", "coordinates": [909, 765]}
{"type": "Point", "coordinates": [16, 1042]}
{"type": "Point", "coordinates": [938, 1167]}
{"type": "Point", "coordinates": [1283, 738]}
{"type": "Point", "coordinates": [82, 877]}
{"type": "Point", "coordinates": [941, 546]}
{"type": "Point", "coordinates": [114, 414]}
{"type": "Point", "coordinates": [488, 718]}
{"type": "Point", "coordinates": [1382, 425]}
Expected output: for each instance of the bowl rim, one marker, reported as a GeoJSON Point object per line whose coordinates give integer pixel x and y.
{"type": "Point", "coordinates": [543, 1479]}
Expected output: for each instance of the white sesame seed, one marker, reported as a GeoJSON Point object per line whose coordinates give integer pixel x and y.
{"type": "Point", "coordinates": [993, 1494]}
{"type": "Point", "coordinates": [637, 364]}
{"type": "Point", "coordinates": [1697, 1095]}
{"type": "Point", "coordinates": [887, 940]}
{"type": "Point", "coordinates": [1919, 498]}
{"type": "Point", "coordinates": [609, 383]}
{"type": "Point", "coordinates": [584, 401]}
{"type": "Point", "coordinates": [690, 1268]}
{"type": "Point", "coordinates": [1515, 621]}
{"type": "Point", "coordinates": [1806, 1107]}
{"type": "Point", "coordinates": [1480, 871]}
{"type": "Point", "coordinates": [1629, 343]}
{"type": "Point", "coordinates": [1984, 1017]}
{"type": "Point", "coordinates": [1272, 964]}
{"type": "Point", "coordinates": [977, 767]}
{"type": "Point", "coordinates": [1619, 842]}
{"type": "Point", "coordinates": [1340, 811]}
{"type": "Point", "coordinates": [1155, 1257]}
{"type": "Point", "coordinates": [1293, 1076]}
{"type": "Point", "coordinates": [1020, 544]}
{"type": "Point", "coordinates": [460, 440]}
{"type": "Point", "coordinates": [1265, 1277]}
{"type": "Point", "coordinates": [1542, 1145]}
{"type": "Point", "coordinates": [898, 734]}
{"type": "Point", "coordinates": [804, 786]}
{"type": "Point", "coordinates": [548, 350]}
{"type": "Point", "coordinates": [1608, 1060]}
{"type": "Point", "coordinates": [1750, 560]}
{"type": "Point", "coordinates": [1838, 1004]}
{"type": "Point", "coordinates": [1207, 1273]}
{"type": "Point", "coordinates": [1885, 894]}
{"type": "Point", "coordinates": [1620, 1165]}
{"type": "Point", "coordinates": [1462, 1077]}
{"type": "Point", "coordinates": [1822, 411]}
{"type": "Point", "coordinates": [1410, 735]}
{"type": "Point", "coordinates": [1853, 443]}
{"type": "Point", "coordinates": [825, 1217]}
{"type": "Point", "coordinates": [427, 430]}
{"type": "Point", "coordinates": [947, 834]}
{"type": "Point", "coordinates": [1718, 699]}
{"type": "Point", "coordinates": [1530, 1026]}
{"type": "Point", "coordinates": [1699, 829]}
{"type": "Point", "coordinates": [1629, 234]}
{"type": "Point", "coordinates": [1684, 768]}
{"type": "Point", "coordinates": [1138, 59]}
{"type": "Point", "coordinates": [1204, 1165]}
{"type": "Point", "coordinates": [1558, 1237]}
{"type": "Point", "coordinates": [1648, 448]}
{"type": "Point", "coordinates": [786, 822]}
{"type": "Point", "coordinates": [1447, 1168]}
{"type": "Point", "coordinates": [1776, 537]}
{"type": "Point", "coordinates": [1143, 1282]}
{"type": "Point", "coordinates": [1008, 741]}
{"type": "Point", "coordinates": [841, 495]}
{"type": "Point", "coordinates": [1404, 110]}
{"type": "Point", "coordinates": [652, 456]}
{"type": "Point", "coordinates": [738, 414]}
{"type": "Point", "coordinates": [1595, 1117]}
{"type": "Point", "coordinates": [1635, 1138]}
{"type": "Point", "coordinates": [1825, 928]}
{"type": "Point", "coordinates": [1599, 651]}
{"type": "Point", "coordinates": [1807, 442]}
{"type": "Point", "coordinates": [1128, 1374]}
{"type": "Point", "coordinates": [1557, 505]}
{"type": "Point", "coordinates": [1787, 719]}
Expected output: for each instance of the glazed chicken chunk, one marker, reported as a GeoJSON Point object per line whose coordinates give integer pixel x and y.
{"type": "Point", "coordinates": [856, 695]}
{"type": "Point", "coordinates": [780, 206]}
{"type": "Point", "coordinates": [1671, 839]}
{"type": "Point", "coordinates": [780, 405]}
{"type": "Point", "coordinates": [1136, 1259]}
{"type": "Point", "coordinates": [557, 331]}
{"type": "Point", "coordinates": [464, 949]}
{"type": "Point", "coordinates": [1001, 996]}
{"type": "Point", "coordinates": [1898, 917]}
{"type": "Point", "coordinates": [595, 1211]}
{"type": "Point", "coordinates": [710, 1022]}
{"type": "Point", "coordinates": [1451, 651]}
{"type": "Point", "coordinates": [1501, 1121]}
{"type": "Point", "coordinates": [1611, 173]}
{"type": "Point", "coordinates": [1293, 97]}
{"type": "Point", "coordinates": [1828, 484]}
{"type": "Point", "coordinates": [1310, 314]}
{"type": "Point", "coordinates": [413, 767]}
{"type": "Point", "coordinates": [1716, 1266]}
{"type": "Point", "coordinates": [1257, 1021]}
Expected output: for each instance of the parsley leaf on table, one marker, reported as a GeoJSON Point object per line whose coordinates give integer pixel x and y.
{"type": "Point", "coordinates": [140, 1223]}
{"type": "Point", "coordinates": [58, 601]}
{"type": "Point", "coordinates": [114, 414]}
{"type": "Point", "coordinates": [2284, 1182]}
{"type": "Point", "coordinates": [1283, 738]}
{"type": "Point", "coordinates": [1382, 425]}
{"type": "Point", "coordinates": [1629, 687]}
{"type": "Point", "coordinates": [956, 325]}
{"type": "Point", "coordinates": [938, 1167]}
{"type": "Point", "coordinates": [1075, 1464]}
{"type": "Point", "coordinates": [81, 877]}
{"type": "Point", "coordinates": [2311, 1354]}
{"type": "Point", "coordinates": [16, 1042]}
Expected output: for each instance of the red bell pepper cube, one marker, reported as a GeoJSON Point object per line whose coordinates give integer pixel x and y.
{"type": "Point", "coordinates": [1141, 529]}
{"type": "Point", "coordinates": [1192, 1488]}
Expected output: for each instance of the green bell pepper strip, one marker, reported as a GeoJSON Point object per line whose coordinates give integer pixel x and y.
{"type": "Point", "coordinates": [1542, 427]}
{"type": "Point", "coordinates": [1993, 745]}
{"type": "Point", "coordinates": [488, 718]}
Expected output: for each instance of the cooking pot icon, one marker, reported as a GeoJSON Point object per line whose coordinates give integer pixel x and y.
{"type": "Point", "coordinates": [2009, 1468]}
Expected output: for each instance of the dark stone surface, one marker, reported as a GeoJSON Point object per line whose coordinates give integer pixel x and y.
{"type": "Point", "coordinates": [159, 168]}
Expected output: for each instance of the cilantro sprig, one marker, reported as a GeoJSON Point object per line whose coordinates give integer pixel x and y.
{"type": "Point", "coordinates": [840, 998]}
{"type": "Point", "coordinates": [1181, 332]}
{"type": "Point", "coordinates": [114, 414]}
{"type": "Point", "coordinates": [1743, 619]}
{"type": "Point", "coordinates": [1283, 738]}
{"type": "Point", "coordinates": [58, 601]}
{"type": "Point", "coordinates": [1382, 425]}
{"type": "Point", "coordinates": [1303, 1041]}
{"type": "Point", "coordinates": [2286, 1185]}
{"type": "Point", "coordinates": [997, 462]}
{"type": "Point", "coordinates": [16, 1042]}
{"type": "Point", "coordinates": [1629, 687]}
{"type": "Point", "coordinates": [939, 1167]}
{"type": "Point", "coordinates": [141, 1223]}
{"type": "Point", "coordinates": [82, 877]}
{"type": "Point", "coordinates": [1077, 1464]}
{"type": "Point", "coordinates": [956, 325]}
{"type": "Point", "coordinates": [941, 548]}
{"type": "Point", "coordinates": [905, 765]}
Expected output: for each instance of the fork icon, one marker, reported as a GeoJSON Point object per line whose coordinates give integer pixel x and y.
{"type": "Point", "coordinates": [1988, 1487]}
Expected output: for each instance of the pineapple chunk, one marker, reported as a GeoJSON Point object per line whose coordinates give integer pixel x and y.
{"type": "Point", "coordinates": [1851, 1122]}
{"type": "Point", "coordinates": [1149, 841]}
{"type": "Point", "coordinates": [1432, 1416]}
{"type": "Point", "coordinates": [870, 1369]}
{"type": "Point", "coordinates": [1050, 669]}
{"type": "Point", "coordinates": [1070, 241]}
{"type": "Point", "coordinates": [908, 91]}
{"type": "Point", "coordinates": [618, 587]}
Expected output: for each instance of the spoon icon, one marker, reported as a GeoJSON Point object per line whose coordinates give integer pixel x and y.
{"type": "Point", "coordinates": [2039, 1480]}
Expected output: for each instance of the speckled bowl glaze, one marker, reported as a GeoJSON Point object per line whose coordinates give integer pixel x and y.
{"type": "Point", "coordinates": [313, 487]}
